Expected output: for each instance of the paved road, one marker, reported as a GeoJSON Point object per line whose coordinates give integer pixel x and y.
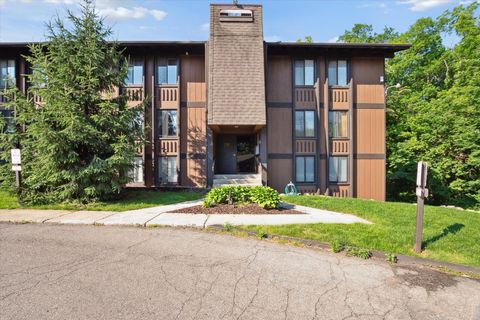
{"type": "Point", "coordinates": [88, 272]}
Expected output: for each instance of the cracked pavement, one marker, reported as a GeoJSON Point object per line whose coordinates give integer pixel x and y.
{"type": "Point", "coordinates": [88, 272]}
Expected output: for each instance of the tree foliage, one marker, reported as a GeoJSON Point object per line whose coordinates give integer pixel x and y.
{"type": "Point", "coordinates": [435, 116]}
{"type": "Point", "coordinates": [80, 142]}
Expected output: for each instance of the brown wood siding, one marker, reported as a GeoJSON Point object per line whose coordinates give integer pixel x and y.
{"type": "Point", "coordinates": [370, 179]}
{"type": "Point", "coordinates": [279, 126]}
{"type": "Point", "coordinates": [193, 127]}
{"type": "Point", "coordinates": [369, 128]}
{"type": "Point", "coordinates": [279, 79]}
{"type": "Point", "coordinates": [193, 87]}
{"type": "Point", "coordinates": [279, 173]}
{"type": "Point", "coordinates": [370, 131]}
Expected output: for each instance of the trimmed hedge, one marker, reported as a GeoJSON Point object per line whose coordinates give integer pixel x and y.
{"type": "Point", "coordinates": [265, 197]}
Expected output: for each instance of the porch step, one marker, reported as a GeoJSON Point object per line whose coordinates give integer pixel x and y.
{"type": "Point", "coordinates": [237, 180]}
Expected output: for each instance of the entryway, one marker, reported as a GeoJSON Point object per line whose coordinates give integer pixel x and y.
{"type": "Point", "coordinates": [235, 154]}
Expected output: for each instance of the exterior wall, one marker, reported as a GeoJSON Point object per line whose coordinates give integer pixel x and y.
{"type": "Point", "coordinates": [363, 99]}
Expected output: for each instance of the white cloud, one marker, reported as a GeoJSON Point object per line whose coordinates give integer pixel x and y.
{"type": "Point", "coordinates": [422, 5]}
{"type": "Point", "coordinates": [158, 14]}
{"type": "Point", "coordinates": [116, 9]}
{"type": "Point", "coordinates": [120, 13]}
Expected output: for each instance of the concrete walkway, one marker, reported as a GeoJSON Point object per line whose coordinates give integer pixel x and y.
{"type": "Point", "coordinates": [161, 216]}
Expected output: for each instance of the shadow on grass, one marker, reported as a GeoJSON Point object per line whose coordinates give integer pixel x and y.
{"type": "Point", "coordinates": [451, 229]}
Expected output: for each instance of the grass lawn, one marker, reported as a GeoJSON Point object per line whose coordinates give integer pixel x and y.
{"type": "Point", "coordinates": [448, 235]}
{"type": "Point", "coordinates": [129, 200]}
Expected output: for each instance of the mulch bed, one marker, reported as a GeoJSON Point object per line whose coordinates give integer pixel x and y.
{"type": "Point", "coordinates": [235, 209]}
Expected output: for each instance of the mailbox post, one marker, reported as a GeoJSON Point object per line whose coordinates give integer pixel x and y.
{"type": "Point", "coordinates": [422, 193]}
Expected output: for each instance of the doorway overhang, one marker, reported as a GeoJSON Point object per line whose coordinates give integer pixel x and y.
{"type": "Point", "coordinates": [233, 129]}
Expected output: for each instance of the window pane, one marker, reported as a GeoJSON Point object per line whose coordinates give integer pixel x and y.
{"type": "Point", "coordinates": [342, 72]}
{"type": "Point", "coordinates": [332, 169]}
{"type": "Point", "coordinates": [172, 123]}
{"type": "Point", "coordinates": [299, 123]}
{"type": "Point", "coordinates": [299, 73]}
{"type": "Point", "coordinates": [138, 170]}
{"type": "Point", "coordinates": [342, 169]}
{"type": "Point", "coordinates": [309, 73]}
{"type": "Point", "coordinates": [161, 74]}
{"type": "Point", "coordinates": [172, 71]}
{"type": "Point", "coordinates": [300, 169]}
{"type": "Point", "coordinates": [163, 174]}
{"type": "Point", "coordinates": [167, 123]}
{"type": "Point", "coordinates": [332, 73]}
{"type": "Point", "coordinates": [138, 72]}
{"type": "Point", "coordinates": [338, 124]}
{"type": "Point", "coordinates": [309, 169]}
{"type": "Point", "coordinates": [172, 169]}
{"type": "Point", "coordinates": [309, 124]}
{"type": "Point", "coordinates": [129, 79]}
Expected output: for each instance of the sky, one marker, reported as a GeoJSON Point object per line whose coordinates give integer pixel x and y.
{"type": "Point", "coordinates": [183, 20]}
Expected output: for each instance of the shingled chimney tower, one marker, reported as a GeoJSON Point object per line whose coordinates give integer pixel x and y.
{"type": "Point", "coordinates": [236, 78]}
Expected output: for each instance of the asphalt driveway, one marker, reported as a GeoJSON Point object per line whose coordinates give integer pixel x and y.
{"type": "Point", "coordinates": [99, 272]}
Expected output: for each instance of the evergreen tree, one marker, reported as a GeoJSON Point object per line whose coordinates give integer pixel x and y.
{"type": "Point", "coordinates": [80, 142]}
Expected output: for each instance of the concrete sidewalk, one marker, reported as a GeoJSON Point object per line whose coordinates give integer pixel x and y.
{"type": "Point", "coordinates": [162, 216]}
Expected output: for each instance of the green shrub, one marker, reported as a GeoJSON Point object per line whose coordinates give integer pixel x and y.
{"type": "Point", "coordinates": [261, 234]}
{"type": "Point", "coordinates": [265, 197]}
{"type": "Point", "coordinates": [337, 246]}
{"type": "Point", "coordinates": [391, 257]}
{"type": "Point", "coordinates": [228, 227]}
{"type": "Point", "coordinates": [358, 252]}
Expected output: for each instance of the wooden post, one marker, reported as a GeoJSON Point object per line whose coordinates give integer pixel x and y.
{"type": "Point", "coordinates": [422, 193]}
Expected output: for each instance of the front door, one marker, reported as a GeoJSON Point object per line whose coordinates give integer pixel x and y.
{"type": "Point", "coordinates": [226, 161]}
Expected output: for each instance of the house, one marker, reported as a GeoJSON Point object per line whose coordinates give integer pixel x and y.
{"type": "Point", "coordinates": [237, 109]}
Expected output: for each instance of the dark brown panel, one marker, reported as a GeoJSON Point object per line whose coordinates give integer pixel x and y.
{"type": "Point", "coordinates": [279, 79]}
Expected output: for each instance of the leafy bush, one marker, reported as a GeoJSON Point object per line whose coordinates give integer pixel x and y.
{"type": "Point", "coordinates": [358, 252]}
{"type": "Point", "coordinates": [265, 197]}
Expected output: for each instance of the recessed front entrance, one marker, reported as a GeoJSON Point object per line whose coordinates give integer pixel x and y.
{"type": "Point", "coordinates": [235, 154]}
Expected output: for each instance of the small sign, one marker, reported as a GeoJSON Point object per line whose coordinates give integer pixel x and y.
{"type": "Point", "coordinates": [422, 169]}
{"type": "Point", "coordinates": [16, 167]}
{"type": "Point", "coordinates": [16, 156]}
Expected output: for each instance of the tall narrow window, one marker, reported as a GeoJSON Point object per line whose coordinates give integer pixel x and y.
{"type": "Point", "coordinates": [338, 169]}
{"type": "Point", "coordinates": [305, 169]}
{"type": "Point", "coordinates": [305, 124]}
{"type": "Point", "coordinates": [167, 123]}
{"type": "Point", "coordinates": [168, 170]}
{"type": "Point", "coordinates": [338, 124]}
{"type": "Point", "coordinates": [137, 171]}
{"type": "Point", "coordinates": [135, 72]}
{"type": "Point", "coordinates": [337, 72]}
{"type": "Point", "coordinates": [7, 73]}
{"type": "Point", "coordinates": [167, 71]}
{"type": "Point", "coordinates": [304, 72]}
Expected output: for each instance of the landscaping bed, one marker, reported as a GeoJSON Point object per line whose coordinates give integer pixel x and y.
{"type": "Point", "coordinates": [235, 209]}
